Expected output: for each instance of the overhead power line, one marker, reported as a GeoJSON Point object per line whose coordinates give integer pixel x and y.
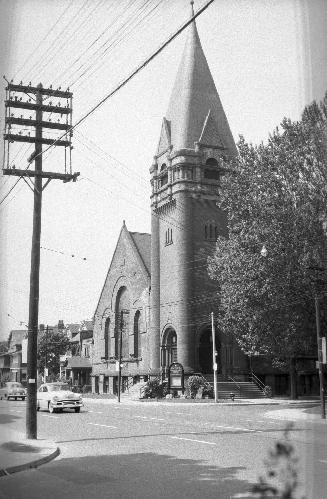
{"type": "Point", "coordinates": [125, 81]}
{"type": "Point", "coordinates": [43, 39]}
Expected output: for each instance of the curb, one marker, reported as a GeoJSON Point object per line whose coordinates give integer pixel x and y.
{"type": "Point", "coordinates": [32, 464]}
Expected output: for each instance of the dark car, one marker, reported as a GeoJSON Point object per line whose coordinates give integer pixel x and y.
{"type": "Point", "coordinates": [13, 390]}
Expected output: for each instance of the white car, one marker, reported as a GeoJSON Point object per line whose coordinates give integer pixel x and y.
{"type": "Point", "coordinates": [58, 396]}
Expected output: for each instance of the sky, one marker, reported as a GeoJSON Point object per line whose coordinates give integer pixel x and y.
{"type": "Point", "coordinates": [268, 59]}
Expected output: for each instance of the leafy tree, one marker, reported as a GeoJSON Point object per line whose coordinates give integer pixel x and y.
{"type": "Point", "coordinates": [275, 196]}
{"type": "Point", "coordinates": [3, 346]}
{"type": "Point", "coordinates": [52, 344]}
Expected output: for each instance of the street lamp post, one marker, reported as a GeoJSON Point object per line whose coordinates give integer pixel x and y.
{"type": "Point", "coordinates": [214, 358]}
{"type": "Point", "coordinates": [120, 354]}
{"type": "Point", "coordinates": [320, 360]}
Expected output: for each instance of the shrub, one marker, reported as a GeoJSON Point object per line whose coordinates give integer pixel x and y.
{"type": "Point", "coordinates": [194, 383]}
{"type": "Point", "coordinates": [267, 391]}
{"type": "Point", "coordinates": [154, 388]}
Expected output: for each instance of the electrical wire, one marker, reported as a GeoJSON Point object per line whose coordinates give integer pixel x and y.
{"type": "Point", "coordinates": [34, 51]}
{"type": "Point", "coordinates": [72, 64]}
{"type": "Point", "coordinates": [126, 80]}
{"type": "Point", "coordinates": [38, 65]}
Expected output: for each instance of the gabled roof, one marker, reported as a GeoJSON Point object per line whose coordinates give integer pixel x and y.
{"type": "Point", "coordinates": [73, 328]}
{"type": "Point", "coordinates": [142, 242]}
{"type": "Point", "coordinates": [86, 326]}
{"type": "Point", "coordinates": [194, 95]}
{"type": "Point", "coordinates": [141, 245]}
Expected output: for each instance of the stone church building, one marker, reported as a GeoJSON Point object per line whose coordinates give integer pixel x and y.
{"type": "Point", "coordinates": [157, 294]}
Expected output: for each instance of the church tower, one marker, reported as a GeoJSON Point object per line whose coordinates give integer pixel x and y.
{"type": "Point", "coordinates": [195, 141]}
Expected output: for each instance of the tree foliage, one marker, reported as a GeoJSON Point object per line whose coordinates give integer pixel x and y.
{"type": "Point", "coordinates": [275, 195]}
{"type": "Point", "coordinates": [52, 344]}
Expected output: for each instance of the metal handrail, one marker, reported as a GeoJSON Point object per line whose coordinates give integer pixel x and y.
{"type": "Point", "coordinates": [234, 381]}
{"type": "Point", "coordinates": [257, 381]}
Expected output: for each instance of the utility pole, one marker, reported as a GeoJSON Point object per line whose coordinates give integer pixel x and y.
{"type": "Point", "coordinates": [13, 102]}
{"type": "Point", "coordinates": [214, 357]}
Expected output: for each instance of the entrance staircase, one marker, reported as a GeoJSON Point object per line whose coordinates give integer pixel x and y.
{"type": "Point", "coordinates": [241, 389]}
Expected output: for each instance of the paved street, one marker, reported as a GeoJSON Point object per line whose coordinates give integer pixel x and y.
{"type": "Point", "coordinates": [154, 450]}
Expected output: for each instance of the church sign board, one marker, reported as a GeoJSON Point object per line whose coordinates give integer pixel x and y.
{"type": "Point", "coordinates": [176, 377]}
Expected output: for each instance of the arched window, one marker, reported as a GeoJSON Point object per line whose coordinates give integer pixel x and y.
{"type": "Point", "coordinates": [122, 322]}
{"type": "Point", "coordinates": [212, 169]}
{"type": "Point", "coordinates": [136, 348]}
{"type": "Point", "coordinates": [106, 338]}
{"type": "Point", "coordinates": [169, 348]}
{"type": "Point", "coordinates": [164, 179]}
{"type": "Point", "coordinates": [211, 232]}
{"type": "Point", "coordinates": [169, 237]}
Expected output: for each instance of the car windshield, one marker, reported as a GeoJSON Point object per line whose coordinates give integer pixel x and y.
{"type": "Point", "coordinates": [56, 388]}
{"type": "Point", "coordinates": [15, 385]}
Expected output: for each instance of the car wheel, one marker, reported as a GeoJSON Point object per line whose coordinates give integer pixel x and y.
{"type": "Point", "coordinates": [51, 408]}
{"type": "Point", "coordinates": [77, 409]}
{"type": "Point", "coordinates": [15, 398]}
{"type": "Point", "coordinates": [37, 406]}
{"type": "Point", "coordinates": [23, 398]}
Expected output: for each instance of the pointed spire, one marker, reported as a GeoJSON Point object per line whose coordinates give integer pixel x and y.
{"type": "Point", "coordinates": [194, 95]}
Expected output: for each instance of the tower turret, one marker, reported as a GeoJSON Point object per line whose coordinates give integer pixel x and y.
{"type": "Point", "coordinates": [195, 141]}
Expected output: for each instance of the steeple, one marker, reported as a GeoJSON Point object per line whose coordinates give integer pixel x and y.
{"type": "Point", "coordinates": [194, 103]}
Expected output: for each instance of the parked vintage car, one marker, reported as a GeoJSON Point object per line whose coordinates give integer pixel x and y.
{"type": "Point", "coordinates": [58, 396]}
{"type": "Point", "coordinates": [13, 390]}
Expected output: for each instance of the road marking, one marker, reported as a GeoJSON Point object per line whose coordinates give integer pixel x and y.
{"type": "Point", "coordinates": [49, 416]}
{"type": "Point", "coordinates": [105, 425]}
{"type": "Point", "coordinates": [233, 428]}
{"type": "Point", "coordinates": [194, 440]}
{"type": "Point", "coordinates": [96, 412]}
{"type": "Point", "coordinates": [322, 461]}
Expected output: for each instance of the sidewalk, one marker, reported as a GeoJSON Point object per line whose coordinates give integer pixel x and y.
{"type": "Point", "coordinates": [18, 453]}
{"type": "Point", "coordinates": [310, 402]}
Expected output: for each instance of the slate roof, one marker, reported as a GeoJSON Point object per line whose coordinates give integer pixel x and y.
{"type": "Point", "coordinates": [194, 95]}
{"type": "Point", "coordinates": [87, 325]}
{"type": "Point", "coordinates": [142, 241]}
{"type": "Point", "coordinates": [73, 328]}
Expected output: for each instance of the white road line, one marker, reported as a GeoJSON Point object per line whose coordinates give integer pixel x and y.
{"type": "Point", "coordinates": [105, 425]}
{"type": "Point", "coordinates": [322, 461]}
{"type": "Point", "coordinates": [193, 440]}
{"type": "Point", "coordinates": [49, 416]}
{"type": "Point", "coordinates": [96, 412]}
{"type": "Point", "coordinates": [233, 428]}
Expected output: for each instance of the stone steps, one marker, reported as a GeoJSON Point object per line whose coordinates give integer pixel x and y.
{"type": "Point", "coordinates": [241, 389]}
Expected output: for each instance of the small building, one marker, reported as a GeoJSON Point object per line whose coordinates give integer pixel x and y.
{"type": "Point", "coordinates": [17, 368]}
{"type": "Point", "coordinates": [77, 363]}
